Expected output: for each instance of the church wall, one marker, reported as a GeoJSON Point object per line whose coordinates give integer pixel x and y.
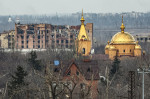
{"type": "Point", "coordinates": [137, 52]}
{"type": "Point", "coordinates": [112, 53]}
{"type": "Point", "coordinates": [89, 31]}
{"type": "Point", "coordinates": [127, 49]}
{"type": "Point", "coordinates": [106, 51]}
{"type": "Point", "coordinates": [86, 45]}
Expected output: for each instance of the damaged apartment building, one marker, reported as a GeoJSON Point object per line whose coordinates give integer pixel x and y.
{"type": "Point", "coordinates": [43, 36]}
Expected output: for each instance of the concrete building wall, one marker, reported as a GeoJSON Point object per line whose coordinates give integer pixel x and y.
{"type": "Point", "coordinates": [7, 39]}
{"type": "Point", "coordinates": [38, 36]}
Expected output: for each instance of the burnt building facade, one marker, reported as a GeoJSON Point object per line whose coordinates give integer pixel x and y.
{"type": "Point", "coordinates": [43, 36]}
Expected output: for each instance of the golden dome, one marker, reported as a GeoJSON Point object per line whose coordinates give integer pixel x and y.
{"type": "Point", "coordinates": [111, 47]}
{"type": "Point", "coordinates": [123, 38]}
{"type": "Point", "coordinates": [137, 46]}
{"type": "Point", "coordinates": [107, 46]}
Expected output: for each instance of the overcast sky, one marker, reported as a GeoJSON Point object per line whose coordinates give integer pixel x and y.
{"type": "Point", "coordinates": [17, 7]}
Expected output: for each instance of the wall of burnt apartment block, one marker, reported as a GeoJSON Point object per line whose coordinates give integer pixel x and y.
{"type": "Point", "coordinates": [42, 36]}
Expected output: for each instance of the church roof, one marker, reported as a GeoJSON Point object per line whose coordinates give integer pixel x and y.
{"type": "Point", "coordinates": [123, 37]}
{"type": "Point", "coordinates": [82, 34]}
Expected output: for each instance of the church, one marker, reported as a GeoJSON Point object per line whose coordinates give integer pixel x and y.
{"type": "Point", "coordinates": [83, 43]}
{"type": "Point", "coordinates": [122, 44]}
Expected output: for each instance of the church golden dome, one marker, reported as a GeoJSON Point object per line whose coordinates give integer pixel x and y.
{"type": "Point", "coordinates": [111, 47]}
{"type": "Point", "coordinates": [137, 46]}
{"type": "Point", "coordinates": [123, 37]}
{"type": "Point", "coordinates": [107, 46]}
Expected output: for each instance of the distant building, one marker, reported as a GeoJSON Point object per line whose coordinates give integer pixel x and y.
{"type": "Point", "coordinates": [7, 39]}
{"type": "Point", "coordinates": [43, 36]}
{"type": "Point", "coordinates": [142, 38]}
{"type": "Point", "coordinates": [122, 44]}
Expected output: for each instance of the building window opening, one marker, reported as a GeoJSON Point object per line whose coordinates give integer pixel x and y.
{"type": "Point", "coordinates": [66, 41]}
{"type": "Point", "coordinates": [124, 50]}
{"type": "Point", "coordinates": [83, 51]}
{"type": "Point", "coordinates": [77, 72]}
{"type": "Point", "coordinates": [88, 70]}
{"type": "Point", "coordinates": [56, 70]}
{"type": "Point", "coordinates": [130, 50]}
{"type": "Point", "coordinates": [69, 73]}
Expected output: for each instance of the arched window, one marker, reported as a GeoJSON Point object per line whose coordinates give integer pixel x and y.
{"type": "Point", "coordinates": [83, 51]}
{"type": "Point", "coordinates": [124, 50]}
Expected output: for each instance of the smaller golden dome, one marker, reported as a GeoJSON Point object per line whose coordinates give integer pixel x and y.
{"type": "Point", "coordinates": [137, 46]}
{"type": "Point", "coordinates": [107, 46]}
{"type": "Point", "coordinates": [111, 47]}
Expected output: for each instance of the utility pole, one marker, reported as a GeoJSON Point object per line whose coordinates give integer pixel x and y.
{"type": "Point", "coordinates": [131, 85]}
{"type": "Point", "coordinates": [143, 71]}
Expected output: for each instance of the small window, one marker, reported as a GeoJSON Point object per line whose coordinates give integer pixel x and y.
{"type": "Point", "coordinates": [22, 46]}
{"type": "Point", "coordinates": [62, 41]}
{"type": "Point", "coordinates": [22, 42]}
{"type": "Point", "coordinates": [27, 46]}
{"type": "Point", "coordinates": [39, 37]}
{"type": "Point", "coordinates": [141, 38]}
{"type": "Point", "coordinates": [39, 41]}
{"type": "Point", "coordinates": [88, 70]}
{"type": "Point", "coordinates": [66, 41]}
{"type": "Point", "coordinates": [38, 46]}
{"type": "Point", "coordinates": [27, 36]}
{"type": "Point", "coordinates": [130, 50]}
{"type": "Point", "coordinates": [57, 41]}
{"type": "Point", "coordinates": [71, 36]}
{"type": "Point", "coordinates": [77, 73]}
{"type": "Point", "coordinates": [83, 51]}
{"type": "Point", "coordinates": [69, 73]}
{"type": "Point", "coordinates": [137, 38]}
{"type": "Point", "coordinates": [56, 70]}
{"type": "Point", "coordinates": [124, 50]}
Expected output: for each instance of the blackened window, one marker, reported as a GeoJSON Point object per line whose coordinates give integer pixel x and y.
{"type": "Point", "coordinates": [38, 36]}
{"type": "Point", "coordinates": [66, 41]}
{"type": "Point", "coordinates": [22, 37]}
{"type": "Point", "coordinates": [27, 36]}
{"type": "Point", "coordinates": [71, 36]}
{"type": "Point", "coordinates": [141, 38]}
{"type": "Point", "coordinates": [22, 42]}
{"type": "Point", "coordinates": [145, 39]}
{"type": "Point", "coordinates": [38, 46]}
{"type": "Point", "coordinates": [39, 41]}
{"type": "Point", "coordinates": [56, 70]}
{"type": "Point", "coordinates": [130, 50]}
{"type": "Point", "coordinates": [77, 72]}
{"type": "Point", "coordinates": [22, 46]}
{"type": "Point", "coordinates": [27, 46]}
{"type": "Point", "coordinates": [57, 36]}
{"type": "Point", "coordinates": [137, 38]}
{"type": "Point", "coordinates": [57, 41]}
{"type": "Point", "coordinates": [62, 41]}
{"type": "Point", "coordinates": [69, 73]}
{"type": "Point", "coordinates": [27, 42]}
